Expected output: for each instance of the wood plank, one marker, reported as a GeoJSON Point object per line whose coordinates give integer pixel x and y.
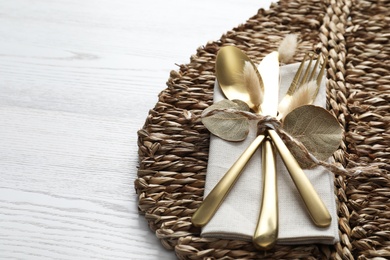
{"type": "Point", "coordinates": [77, 79]}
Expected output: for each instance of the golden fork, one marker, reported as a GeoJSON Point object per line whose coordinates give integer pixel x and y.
{"type": "Point", "coordinates": [314, 205]}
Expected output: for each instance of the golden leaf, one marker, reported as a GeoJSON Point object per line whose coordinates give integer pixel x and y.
{"type": "Point", "coordinates": [241, 105]}
{"type": "Point", "coordinates": [303, 96]}
{"type": "Point", "coordinates": [316, 129]}
{"type": "Point", "coordinates": [227, 125]}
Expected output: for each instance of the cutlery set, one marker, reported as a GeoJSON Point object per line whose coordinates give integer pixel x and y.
{"type": "Point", "coordinates": [230, 62]}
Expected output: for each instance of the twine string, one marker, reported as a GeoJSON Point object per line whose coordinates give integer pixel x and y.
{"type": "Point", "coordinates": [269, 122]}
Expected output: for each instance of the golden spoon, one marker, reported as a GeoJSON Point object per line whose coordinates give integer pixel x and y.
{"type": "Point", "coordinates": [229, 65]}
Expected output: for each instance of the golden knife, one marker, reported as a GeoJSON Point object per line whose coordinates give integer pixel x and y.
{"type": "Point", "coordinates": [266, 232]}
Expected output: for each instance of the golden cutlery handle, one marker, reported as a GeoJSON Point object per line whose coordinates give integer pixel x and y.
{"type": "Point", "coordinates": [316, 208]}
{"type": "Point", "coordinates": [214, 199]}
{"type": "Point", "coordinates": [266, 232]}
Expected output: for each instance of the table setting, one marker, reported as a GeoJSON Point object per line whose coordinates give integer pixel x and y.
{"type": "Point", "coordinates": [229, 170]}
{"type": "Point", "coordinates": [194, 129]}
{"type": "Point", "coordinates": [238, 218]}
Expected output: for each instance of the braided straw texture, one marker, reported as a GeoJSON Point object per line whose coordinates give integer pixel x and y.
{"type": "Point", "coordinates": [173, 144]}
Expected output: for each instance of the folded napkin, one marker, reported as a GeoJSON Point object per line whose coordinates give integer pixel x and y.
{"type": "Point", "coordinates": [237, 216]}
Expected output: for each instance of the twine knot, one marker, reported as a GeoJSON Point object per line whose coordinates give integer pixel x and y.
{"type": "Point", "coordinates": [267, 122]}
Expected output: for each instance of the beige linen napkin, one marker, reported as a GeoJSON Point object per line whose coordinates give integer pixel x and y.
{"type": "Point", "coordinates": [237, 216]}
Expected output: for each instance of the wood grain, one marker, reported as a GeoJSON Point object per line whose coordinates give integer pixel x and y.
{"type": "Point", "coordinates": [77, 79]}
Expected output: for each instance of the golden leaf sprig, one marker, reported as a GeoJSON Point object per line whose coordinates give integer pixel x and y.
{"type": "Point", "coordinates": [303, 96]}
{"type": "Point", "coordinates": [250, 79]}
{"type": "Point", "coordinates": [311, 126]}
{"type": "Point", "coordinates": [287, 48]}
{"type": "Point", "coordinates": [252, 83]}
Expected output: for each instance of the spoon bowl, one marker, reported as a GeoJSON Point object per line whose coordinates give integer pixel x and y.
{"type": "Point", "coordinates": [229, 67]}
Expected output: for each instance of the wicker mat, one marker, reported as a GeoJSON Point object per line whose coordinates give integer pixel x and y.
{"type": "Point", "coordinates": [173, 144]}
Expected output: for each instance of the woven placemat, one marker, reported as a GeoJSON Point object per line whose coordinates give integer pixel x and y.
{"type": "Point", "coordinates": [173, 143]}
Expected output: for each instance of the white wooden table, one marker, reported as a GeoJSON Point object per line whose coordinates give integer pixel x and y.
{"type": "Point", "coordinates": [77, 79]}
